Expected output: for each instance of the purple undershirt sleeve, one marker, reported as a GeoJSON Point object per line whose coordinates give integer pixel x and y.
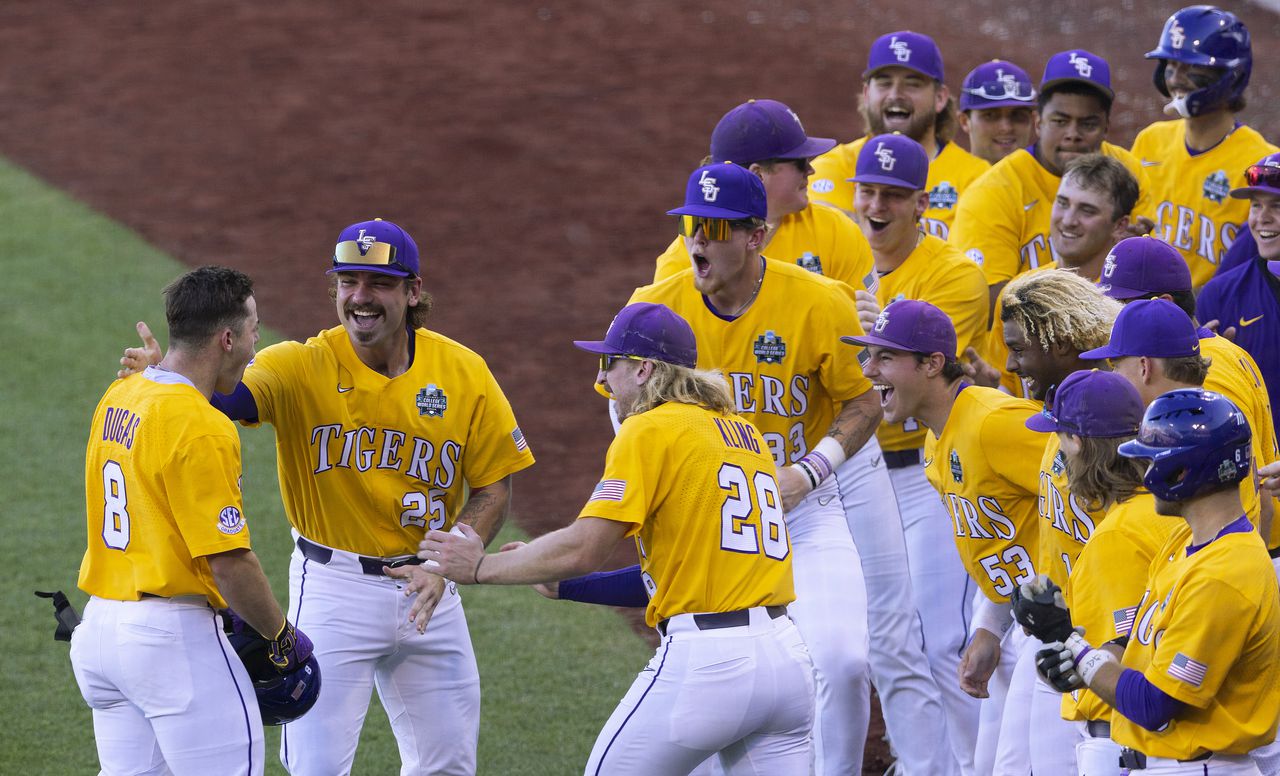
{"type": "Point", "coordinates": [624, 587]}
{"type": "Point", "coordinates": [237, 405]}
{"type": "Point", "coordinates": [1144, 703]}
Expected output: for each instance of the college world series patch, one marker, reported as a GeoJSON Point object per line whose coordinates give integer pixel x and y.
{"type": "Point", "coordinates": [431, 401]}
{"type": "Point", "coordinates": [957, 473]}
{"type": "Point", "coordinates": [769, 348]}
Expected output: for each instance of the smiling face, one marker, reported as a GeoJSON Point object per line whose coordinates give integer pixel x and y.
{"type": "Point", "coordinates": [1181, 79]}
{"type": "Point", "coordinates": [1264, 222]}
{"type": "Point", "coordinates": [1082, 227]}
{"type": "Point", "coordinates": [994, 133]}
{"type": "Point", "coordinates": [372, 306]}
{"type": "Point", "coordinates": [1071, 125]}
{"type": "Point", "coordinates": [901, 380]}
{"type": "Point", "coordinates": [890, 216]}
{"type": "Point", "coordinates": [898, 99]}
{"type": "Point", "coordinates": [1039, 369]}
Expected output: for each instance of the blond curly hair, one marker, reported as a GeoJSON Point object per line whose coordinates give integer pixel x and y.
{"type": "Point", "coordinates": [1058, 306]}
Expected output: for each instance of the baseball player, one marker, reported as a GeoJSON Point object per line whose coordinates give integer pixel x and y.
{"type": "Point", "coordinates": [767, 138]}
{"type": "Point", "coordinates": [1195, 688]}
{"type": "Point", "coordinates": [168, 544]}
{"type": "Point", "coordinates": [991, 498]}
{"type": "Point", "coordinates": [1093, 413]}
{"type": "Point", "coordinates": [768, 326]}
{"type": "Point", "coordinates": [997, 109]}
{"type": "Point", "coordinates": [1145, 268]}
{"type": "Point", "coordinates": [1247, 298]}
{"type": "Point", "coordinates": [1203, 61]}
{"type": "Point", "coordinates": [889, 200]}
{"type": "Point", "coordinates": [903, 91]}
{"type": "Point", "coordinates": [718, 589]}
{"type": "Point", "coordinates": [384, 430]}
{"type": "Point", "coordinates": [1003, 221]}
{"type": "Point", "coordinates": [1090, 213]}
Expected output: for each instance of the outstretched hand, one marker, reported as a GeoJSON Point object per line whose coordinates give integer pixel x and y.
{"type": "Point", "coordinates": [428, 587]}
{"type": "Point", "coordinates": [137, 359]}
{"type": "Point", "coordinates": [455, 555]}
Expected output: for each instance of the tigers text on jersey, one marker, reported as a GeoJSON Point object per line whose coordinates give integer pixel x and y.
{"type": "Point", "coordinates": [1108, 578]}
{"type": "Point", "coordinates": [820, 239]}
{"type": "Point", "coordinates": [368, 463]}
{"type": "Point", "coordinates": [1067, 521]}
{"type": "Point", "coordinates": [782, 357]}
{"type": "Point", "coordinates": [1193, 210]}
{"type": "Point", "coordinates": [950, 174]}
{"type": "Point", "coordinates": [162, 491]}
{"type": "Point", "coordinates": [986, 467]}
{"type": "Point", "coordinates": [1207, 633]}
{"type": "Point", "coordinates": [936, 273]}
{"type": "Point", "coordinates": [1003, 221]}
{"type": "Point", "coordinates": [666, 473]}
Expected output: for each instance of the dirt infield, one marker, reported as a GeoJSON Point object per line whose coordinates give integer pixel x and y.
{"type": "Point", "coordinates": [531, 150]}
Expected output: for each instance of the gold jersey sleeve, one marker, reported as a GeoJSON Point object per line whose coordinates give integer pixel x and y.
{"type": "Point", "coordinates": [1108, 579]}
{"type": "Point", "coordinates": [697, 491]}
{"type": "Point", "coordinates": [1193, 209]}
{"type": "Point", "coordinates": [1003, 221]}
{"type": "Point", "coordinates": [1066, 521]}
{"type": "Point", "coordinates": [782, 357]}
{"type": "Point", "coordinates": [985, 465]}
{"type": "Point", "coordinates": [368, 463]}
{"type": "Point", "coordinates": [819, 238]}
{"type": "Point", "coordinates": [1234, 374]}
{"type": "Point", "coordinates": [162, 491]}
{"type": "Point", "coordinates": [937, 273]}
{"type": "Point", "coordinates": [1208, 634]}
{"type": "Point", "coordinates": [950, 174]}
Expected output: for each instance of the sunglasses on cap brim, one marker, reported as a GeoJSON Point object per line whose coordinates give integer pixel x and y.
{"type": "Point", "coordinates": [375, 254]}
{"type": "Point", "coordinates": [1002, 90]}
{"type": "Point", "coordinates": [606, 361]}
{"type": "Point", "coordinates": [1263, 175]}
{"type": "Point", "coordinates": [717, 229]}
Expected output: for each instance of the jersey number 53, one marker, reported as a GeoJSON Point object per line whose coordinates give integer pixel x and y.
{"type": "Point", "coordinates": [751, 515]}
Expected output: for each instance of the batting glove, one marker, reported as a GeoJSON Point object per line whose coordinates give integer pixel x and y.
{"type": "Point", "coordinates": [289, 649]}
{"type": "Point", "coordinates": [1039, 607]}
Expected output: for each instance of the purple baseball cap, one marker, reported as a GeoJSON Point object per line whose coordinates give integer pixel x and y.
{"type": "Point", "coordinates": [1092, 404]}
{"type": "Point", "coordinates": [375, 246]}
{"type": "Point", "coordinates": [912, 50]}
{"type": "Point", "coordinates": [648, 331]}
{"type": "Point", "coordinates": [997, 84]}
{"type": "Point", "coordinates": [1078, 65]}
{"type": "Point", "coordinates": [1262, 177]}
{"type": "Point", "coordinates": [913, 326]}
{"type": "Point", "coordinates": [1139, 266]}
{"type": "Point", "coordinates": [1155, 328]}
{"type": "Point", "coordinates": [758, 130]}
{"type": "Point", "coordinates": [894, 160]}
{"type": "Point", "coordinates": [723, 190]}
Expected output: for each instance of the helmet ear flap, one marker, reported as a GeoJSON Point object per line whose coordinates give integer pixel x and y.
{"type": "Point", "coordinates": [1158, 77]}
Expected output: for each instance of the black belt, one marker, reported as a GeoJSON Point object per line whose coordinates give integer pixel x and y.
{"type": "Point", "coordinates": [901, 459]}
{"type": "Point", "coordinates": [1137, 761]}
{"type": "Point", "coordinates": [1098, 728]}
{"type": "Point", "coordinates": [371, 566]}
{"type": "Point", "coordinates": [1274, 552]}
{"type": "Point", "coordinates": [733, 619]}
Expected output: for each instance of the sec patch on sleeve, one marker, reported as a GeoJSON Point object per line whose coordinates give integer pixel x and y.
{"type": "Point", "coordinates": [230, 520]}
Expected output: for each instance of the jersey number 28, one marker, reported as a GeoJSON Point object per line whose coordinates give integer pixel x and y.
{"type": "Point", "coordinates": [751, 515]}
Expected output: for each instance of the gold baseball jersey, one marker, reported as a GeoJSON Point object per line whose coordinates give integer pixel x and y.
{"type": "Point", "coordinates": [820, 239]}
{"type": "Point", "coordinates": [1234, 374]}
{"type": "Point", "coordinates": [986, 467]}
{"type": "Point", "coordinates": [1108, 578]}
{"type": "Point", "coordinates": [1067, 521]}
{"type": "Point", "coordinates": [667, 473]}
{"type": "Point", "coordinates": [782, 357]}
{"type": "Point", "coordinates": [1003, 222]}
{"type": "Point", "coordinates": [1192, 207]}
{"type": "Point", "coordinates": [950, 174]}
{"type": "Point", "coordinates": [369, 463]}
{"type": "Point", "coordinates": [936, 273]}
{"type": "Point", "coordinates": [162, 491]}
{"type": "Point", "coordinates": [1208, 634]}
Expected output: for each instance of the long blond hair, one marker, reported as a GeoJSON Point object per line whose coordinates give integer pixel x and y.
{"type": "Point", "coordinates": [1099, 476]}
{"type": "Point", "coordinates": [1058, 306]}
{"type": "Point", "coordinates": [670, 382]}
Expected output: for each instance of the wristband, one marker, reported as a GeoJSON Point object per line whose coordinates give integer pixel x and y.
{"type": "Point", "coordinates": [808, 472]}
{"type": "Point", "coordinates": [1088, 660]}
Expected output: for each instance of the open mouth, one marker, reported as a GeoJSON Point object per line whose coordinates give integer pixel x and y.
{"type": "Point", "coordinates": [897, 114]}
{"type": "Point", "coordinates": [877, 225]}
{"type": "Point", "coordinates": [701, 267]}
{"type": "Point", "coordinates": [365, 320]}
{"type": "Point", "coordinates": [886, 393]}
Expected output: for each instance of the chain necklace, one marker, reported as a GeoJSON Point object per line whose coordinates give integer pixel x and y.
{"type": "Point", "coordinates": [754, 293]}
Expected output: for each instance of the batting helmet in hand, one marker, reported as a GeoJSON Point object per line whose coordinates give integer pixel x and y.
{"type": "Point", "coordinates": [1197, 441]}
{"type": "Point", "coordinates": [1212, 37]}
{"type": "Point", "coordinates": [282, 697]}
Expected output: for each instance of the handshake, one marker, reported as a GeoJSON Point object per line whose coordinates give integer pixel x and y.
{"type": "Point", "coordinates": [1067, 662]}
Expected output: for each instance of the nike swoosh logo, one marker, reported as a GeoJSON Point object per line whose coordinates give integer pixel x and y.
{"type": "Point", "coordinates": [822, 502]}
{"type": "Point", "coordinates": [1244, 323]}
{"type": "Point", "coordinates": [1030, 205]}
{"type": "Point", "coordinates": [875, 462]}
{"type": "Point", "coordinates": [1145, 163]}
{"type": "Point", "coordinates": [344, 390]}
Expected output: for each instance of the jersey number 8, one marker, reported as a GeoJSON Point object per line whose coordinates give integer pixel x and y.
{"type": "Point", "coordinates": [747, 524]}
{"type": "Point", "coordinates": [115, 514]}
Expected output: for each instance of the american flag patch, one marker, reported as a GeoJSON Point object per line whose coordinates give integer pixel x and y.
{"type": "Point", "coordinates": [1124, 620]}
{"type": "Point", "coordinates": [1185, 669]}
{"type": "Point", "coordinates": [609, 490]}
{"type": "Point", "coordinates": [517, 436]}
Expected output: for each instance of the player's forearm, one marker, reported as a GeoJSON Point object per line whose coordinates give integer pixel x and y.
{"type": "Point", "coordinates": [568, 552]}
{"type": "Point", "coordinates": [487, 508]}
{"type": "Point", "coordinates": [1104, 682]}
{"type": "Point", "coordinates": [239, 577]}
{"type": "Point", "coordinates": [857, 422]}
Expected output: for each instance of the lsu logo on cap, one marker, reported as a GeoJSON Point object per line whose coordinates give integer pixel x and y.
{"type": "Point", "coordinates": [709, 188]}
{"type": "Point", "coordinates": [885, 156]}
{"type": "Point", "coordinates": [365, 241]}
{"type": "Point", "coordinates": [882, 320]}
{"type": "Point", "coordinates": [1177, 36]}
{"type": "Point", "coordinates": [1082, 64]}
{"type": "Point", "coordinates": [900, 49]}
{"type": "Point", "coordinates": [1109, 265]}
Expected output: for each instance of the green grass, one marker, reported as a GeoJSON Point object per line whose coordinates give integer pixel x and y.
{"type": "Point", "coordinates": [76, 282]}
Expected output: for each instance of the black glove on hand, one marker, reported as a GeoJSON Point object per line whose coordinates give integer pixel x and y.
{"type": "Point", "coordinates": [1057, 666]}
{"type": "Point", "coordinates": [1039, 607]}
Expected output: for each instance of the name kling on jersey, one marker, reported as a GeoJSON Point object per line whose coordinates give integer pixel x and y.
{"type": "Point", "coordinates": [364, 448]}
